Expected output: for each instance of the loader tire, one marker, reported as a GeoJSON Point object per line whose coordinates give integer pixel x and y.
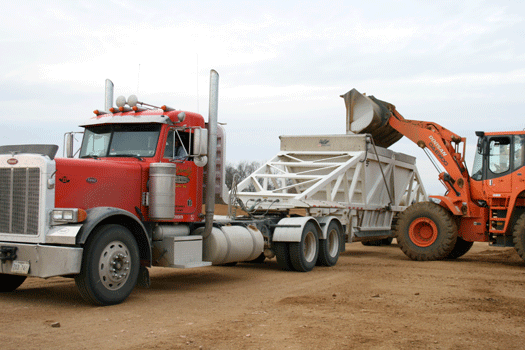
{"type": "Point", "coordinates": [518, 236]}
{"type": "Point", "coordinates": [303, 254]}
{"type": "Point", "coordinates": [110, 266]}
{"type": "Point", "coordinates": [329, 247]}
{"type": "Point", "coordinates": [9, 283]}
{"type": "Point", "coordinates": [461, 248]}
{"type": "Point", "coordinates": [426, 231]}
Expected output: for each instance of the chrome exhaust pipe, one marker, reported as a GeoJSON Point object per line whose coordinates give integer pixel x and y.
{"type": "Point", "coordinates": [109, 95]}
{"type": "Point", "coordinates": [212, 151]}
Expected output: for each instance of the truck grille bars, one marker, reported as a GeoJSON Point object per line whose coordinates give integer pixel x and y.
{"type": "Point", "coordinates": [19, 200]}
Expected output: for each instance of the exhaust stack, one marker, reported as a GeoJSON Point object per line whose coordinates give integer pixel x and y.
{"type": "Point", "coordinates": [212, 151]}
{"type": "Point", "coordinates": [368, 115]}
{"type": "Point", "coordinates": [109, 95]}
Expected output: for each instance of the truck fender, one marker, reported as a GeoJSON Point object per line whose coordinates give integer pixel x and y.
{"type": "Point", "coordinates": [325, 222]}
{"type": "Point", "coordinates": [110, 215]}
{"type": "Point", "coordinates": [291, 229]}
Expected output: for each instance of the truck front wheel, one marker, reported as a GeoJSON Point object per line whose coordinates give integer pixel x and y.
{"type": "Point", "coordinates": [9, 283]}
{"type": "Point", "coordinates": [110, 266]}
{"type": "Point", "coordinates": [426, 231]}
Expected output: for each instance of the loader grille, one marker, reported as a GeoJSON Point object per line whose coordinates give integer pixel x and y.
{"type": "Point", "coordinates": [19, 200]}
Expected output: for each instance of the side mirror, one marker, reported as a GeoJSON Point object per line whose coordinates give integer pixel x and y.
{"type": "Point", "coordinates": [480, 145]}
{"type": "Point", "coordinates": [68, 144]}
{"type": "Point", "coordinates": [200, 142]}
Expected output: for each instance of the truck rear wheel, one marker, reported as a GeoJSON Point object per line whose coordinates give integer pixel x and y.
{"type": "Point", "coordinates": [303, 254]}
{"type": "Point", "coordinates": [426, 231]}
{"type": "Point", "coordinates": [282, 254]}
{"type": "Point", "coordinates": [461, 248]}
{"type": "Point", "coordinates": [9, 283]}
{"type": "Point", "coordinates": [110, 266]}
{"type": "Point", "coordinates": [518, 236]}
{"type": "Point", "coordinates": [329, 247]}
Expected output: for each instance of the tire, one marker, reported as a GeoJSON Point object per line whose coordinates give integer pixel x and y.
{"type": "Point", "coordinates": [110, 245]}
{"type": "Point", "coordinates": [9, 283]}
{"type": "Point", "coordinates": [518, 236]}
{"type": "Point", "coordinates": [387, 241]}
{"type": "Point", "coordinates": [378, 242]}
{"type": "Point", "coordinates": [461, 248]}
{"type": "Point", "coordinates": [303, 254]}
{"type": "Point", "coordinates": [282, 253]}
{"type": "Point", "coordinates": [426, 231]}
{"type": "Point", "coordinates": [329, 247]}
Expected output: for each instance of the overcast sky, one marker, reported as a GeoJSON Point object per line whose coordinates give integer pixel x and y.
{"type": "Point", "coordinates": [282, 65]}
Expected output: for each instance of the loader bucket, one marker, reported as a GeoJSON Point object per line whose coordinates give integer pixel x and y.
{"type": "Point", "coordinates": [368, 115]}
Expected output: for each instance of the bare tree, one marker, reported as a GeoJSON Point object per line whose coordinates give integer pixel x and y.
{"type": "Point", "coordinates": [242, 169]}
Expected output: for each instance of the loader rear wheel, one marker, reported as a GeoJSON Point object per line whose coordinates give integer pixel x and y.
{"type": "Point", "coordinates": [426, 231]}
{"type": "Point", "coordinates": [518, 236]}
{"type": "Point", "coordinates": [304, 254]}
{"type": "Point", "coordinates": [461, 248]}
{"type": "Point", "coordinates": [329, 247]}
{"type": "Point", "coordinates": [9, 283]}
{"type": "Point", "coordinates": [110, 266]}
{"type": "Point", "coordinates": [282, 253]}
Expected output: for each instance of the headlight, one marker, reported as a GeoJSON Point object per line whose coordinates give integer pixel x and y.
{"type": "Point", "coordinates": [66, 216]}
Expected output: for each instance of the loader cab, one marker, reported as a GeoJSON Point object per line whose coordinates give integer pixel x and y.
{"type": "Point", "coordinates": [498, 155]}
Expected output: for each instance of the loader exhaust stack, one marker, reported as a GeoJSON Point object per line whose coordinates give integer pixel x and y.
{"type": "Point", "coordinates": [368, 115]}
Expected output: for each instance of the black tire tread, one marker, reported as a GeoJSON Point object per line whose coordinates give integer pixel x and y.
{"type": "Point", "coordinates": [461, 248]}
{"type": "Point", "coordinates": [518, 236]}
{"type": "Point", "coordinates": [444, 243]}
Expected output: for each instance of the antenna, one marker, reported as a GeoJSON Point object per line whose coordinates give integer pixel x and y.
{"type": "Point", "coordinates": [197, 76]}
{"type": "Point", "coordinates": [138, 80]}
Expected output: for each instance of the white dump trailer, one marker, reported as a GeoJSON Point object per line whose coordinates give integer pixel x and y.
{"type": "Point", "coordinates": [342, 187]}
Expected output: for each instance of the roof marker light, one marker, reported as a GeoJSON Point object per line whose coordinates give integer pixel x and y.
{"type": "Point", "coordinates": [167, 109]}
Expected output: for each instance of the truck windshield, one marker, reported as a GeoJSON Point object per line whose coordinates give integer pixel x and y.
{"type": "Point", "coordinates": [122, 140]}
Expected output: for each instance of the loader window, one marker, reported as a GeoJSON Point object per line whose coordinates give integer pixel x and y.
{"type": "Point", "coordinates": [477, 168]}
{"type": "Point", "coordinates": [499, 156]}
{"type": "Point", "coordinates": [518, 156]}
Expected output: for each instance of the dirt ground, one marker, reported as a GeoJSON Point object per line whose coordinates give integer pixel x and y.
{"type": "Point", "coordinates": [374, 298]}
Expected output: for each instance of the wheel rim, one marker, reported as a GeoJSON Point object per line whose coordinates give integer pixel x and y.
{"type": "Point", "coordinates": [310, 246]}
{"type": "Point", "coordinates": [333, 242]}
{"type": "Point", "coordinates": [423, 232]}
{"type": "Point", "coordinates": [114, 265]}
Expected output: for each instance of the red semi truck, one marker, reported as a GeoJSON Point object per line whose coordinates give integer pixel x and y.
{"type": "Point", "coordinates": [131, 200]}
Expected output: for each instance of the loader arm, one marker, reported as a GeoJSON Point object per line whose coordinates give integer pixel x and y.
{"type": "Point", "coordinates": [446, 148]}
{"type": "Point", "coordinates": [366, 114]}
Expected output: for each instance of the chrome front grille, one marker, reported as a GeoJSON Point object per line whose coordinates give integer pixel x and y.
{"type": "Point", "coordinates": [19, 200]}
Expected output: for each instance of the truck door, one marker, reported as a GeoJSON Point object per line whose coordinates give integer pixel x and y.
{"type": "Point", "coordinates": [176, 151]}
{"type": "Point", "coordinates": [498, 166]}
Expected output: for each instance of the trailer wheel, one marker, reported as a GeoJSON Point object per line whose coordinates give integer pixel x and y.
{"type": "Point", "coordinates": [9, 283]}
{"type": "Point", "coordinates": [304, 254]}
{"type": "Point", "coordinates": [329, 247]}
{"type": "Point", "coordinates": [461, 248]}
{"type": "Point", "coordinates": [282, 253]}
{"type": "Point", "coordinates": [426, 231]}
{"type": "Point", "coordinates": [518, 236]}
{"type": "Point", "coordinates": [110, 266]}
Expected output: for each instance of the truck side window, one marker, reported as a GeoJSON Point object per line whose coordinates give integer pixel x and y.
{"type": "Point", "coordinates": [176, 145]}
{"type": "Point", "coordinates": [499, 157]}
